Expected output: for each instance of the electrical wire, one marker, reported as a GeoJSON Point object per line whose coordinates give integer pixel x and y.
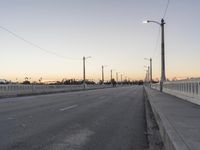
{"type": "Point", "coordinates": [37, 46]}
{"type": "Point", "coordinates": [157, 40]}
{"type": "Point", "coordinates": [166, 8]}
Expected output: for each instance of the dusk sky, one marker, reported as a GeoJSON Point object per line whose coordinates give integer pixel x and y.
{"type": "Point", "coordinates": [111, 31]}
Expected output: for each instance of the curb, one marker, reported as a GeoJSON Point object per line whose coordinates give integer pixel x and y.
{"type": "Point", "coordinates": [170, 137]}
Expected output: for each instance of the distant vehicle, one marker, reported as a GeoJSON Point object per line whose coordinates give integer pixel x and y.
{"type": "Point", "coordinates": [3, 81]}
{"type": "Point", "coordinates": [26, 82]}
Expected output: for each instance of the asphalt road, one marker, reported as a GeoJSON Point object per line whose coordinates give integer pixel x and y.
{"type": "Point", "coordinates": [105, 119]}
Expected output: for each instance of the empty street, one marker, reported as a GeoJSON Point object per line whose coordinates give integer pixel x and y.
{"type": "Point", "coordinates": [104, 119]}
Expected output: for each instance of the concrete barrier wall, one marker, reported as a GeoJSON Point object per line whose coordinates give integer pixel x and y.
{"type": "Point", "coordinates": [20, 89]}
{"type": "Point", "coordinates": [156, 86]}
{"type": "Point", "coordinates": [186, 89]}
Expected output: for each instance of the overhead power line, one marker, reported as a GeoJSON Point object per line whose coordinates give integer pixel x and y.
{"type": "Point", "coordinates": [37, 46]}
{"type": "Point", "coordinates": [157, 40]}
{"type": "Point", "coordinates": [166, 8]}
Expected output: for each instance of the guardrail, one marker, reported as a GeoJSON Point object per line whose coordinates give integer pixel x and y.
{"type": "Point", "coordinates": [186, 89]}
{"type": "Point", "coordinates": [20, 89]}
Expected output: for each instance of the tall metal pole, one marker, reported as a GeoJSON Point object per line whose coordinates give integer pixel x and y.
{"type": "Point", "coordinates": [148, 74]}
{"type": "Point", "coordinates": [121, 78]}
{"type": "Point", "coordinates": [84, 72]}
{"type": "Point", "coordinates": [150, 71]}
{"type": "Point", "coordinates": [111, 75]}
{"type": "Point", "coordinates": [117, 77]}
{"type": "Point", "coordinates": [102, 74]}
{"type": "Point", "coordinates": [146, 78]}
{"type": "Point", "coordinates": [163, 77]}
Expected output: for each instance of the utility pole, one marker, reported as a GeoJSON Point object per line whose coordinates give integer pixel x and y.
{"type": "Point", "coordinates": [102, 74]}
{"type": "Point", "coordinates": [148, 74]}
{"type": "Point", "coordinates": [84, 72]}
{"type": "Point", "coordinates": [146, 77]}
{"type": "Point", "coordinates": [150, 71]}
{"type": "Point", "coordinates": [117, 77]}
{"type": "Point", "coordinates": [163, 77]}
{"type": "Point", "coordinates": [111, 75]}
{"type": "Point", "coordinates": [84, 58]}
{"type": "Point", "coordinates": [121, 78]}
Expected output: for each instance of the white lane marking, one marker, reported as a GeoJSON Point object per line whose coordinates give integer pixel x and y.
{"type": "Point", "coordinates": [10, 118]}
{"type": "Point", "coordinates": [67, 108]}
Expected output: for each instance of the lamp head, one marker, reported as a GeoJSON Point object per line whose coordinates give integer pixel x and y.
{"type": "Point", "coordinates": [145, 21]}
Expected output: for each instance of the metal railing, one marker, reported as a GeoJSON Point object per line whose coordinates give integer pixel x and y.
{"type": "Point", "coordinates": [20, 89]}
{"type": "Point", "coordinates": [185, 89]}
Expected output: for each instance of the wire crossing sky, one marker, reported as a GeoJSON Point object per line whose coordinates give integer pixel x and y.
{"type": "Point", "coordinates": [35, 45]}
{"type": "Point", "coordinates": [111, 31]}
{"type": "Point", "coordinates": [165, 12]}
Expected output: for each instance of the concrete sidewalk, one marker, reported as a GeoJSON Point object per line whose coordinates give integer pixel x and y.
{"type": "Point", "coordinates": [178, 120]}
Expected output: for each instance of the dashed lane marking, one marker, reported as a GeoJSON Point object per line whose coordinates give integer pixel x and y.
{"type": "Point", "coordinates": [69, 107]}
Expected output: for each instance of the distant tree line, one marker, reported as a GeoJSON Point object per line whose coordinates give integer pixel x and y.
{"type": "Point", "coordinates": [79, 82]}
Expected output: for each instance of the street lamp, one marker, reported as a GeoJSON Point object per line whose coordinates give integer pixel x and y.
{"type": "Point", "coordinates": [145, 79]}
{"type": "Point", "coordinates": [163, 77]}
{"type": "Point", "coordinates": [147, 73]}
{"type": "Point", "coordinates": [84, 58]}
{"type": "Point", "coordinates": [121, 78]}
{"type": "Point", "coordinates": [117, 77]}
{"type": "Point", "coordinates": [102, 67]}
{"type": "Point", "coordinates": [111, 71]}
{"type": "Point", "coordinates": [150, 71]}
